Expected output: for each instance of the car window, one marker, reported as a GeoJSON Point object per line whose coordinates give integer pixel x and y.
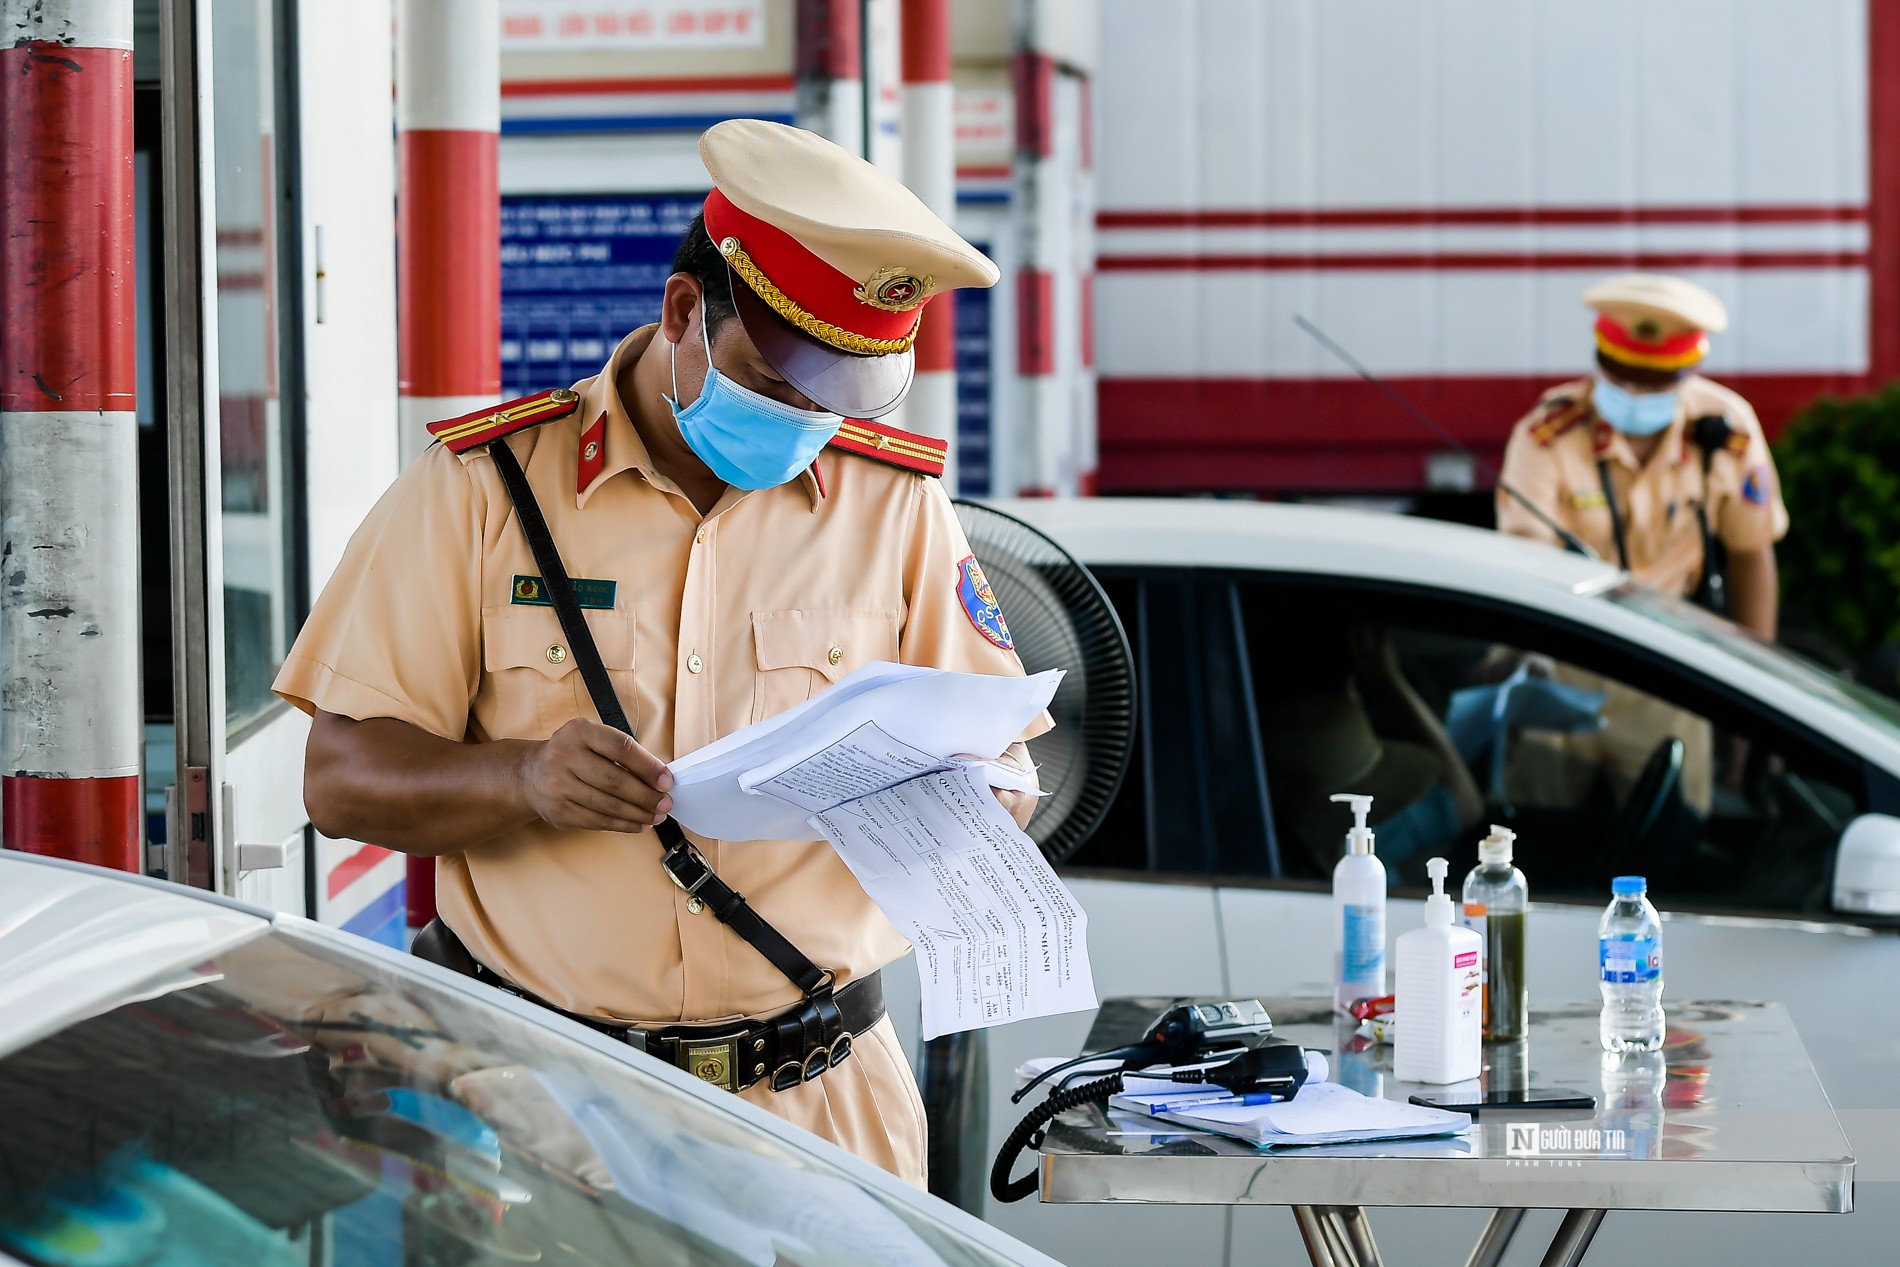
{"type": "Point", "coordinates": [1600, 759]}
{"type": "Point", "coordinates": [1880, 710]}
{"type": "Point", "coordinates": [1456, 714]}
{"type": "Point", "coordinates": [287, 1104]}
{"type": "Point", "coordinates": [1195, 798]}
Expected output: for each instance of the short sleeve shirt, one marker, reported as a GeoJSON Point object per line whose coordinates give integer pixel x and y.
{"type": "Point", "coordinates": [1552, 459]}
{"type": "Point", "coordinates": [707, 624]}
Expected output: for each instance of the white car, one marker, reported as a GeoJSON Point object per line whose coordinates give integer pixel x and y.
{"type": "Point", "coordinates": [1280, 646]}
{"type": "Point", "coordinates": [187, 1080]}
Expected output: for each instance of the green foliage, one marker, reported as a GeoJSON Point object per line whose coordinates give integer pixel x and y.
{"type": "Point", "coordinates": [1840, 563]}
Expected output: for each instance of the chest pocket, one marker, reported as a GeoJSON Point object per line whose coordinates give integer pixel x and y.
{"type": "Point", "coordinates": [802, 652]}
{"type": "Point", "coordinates": [535, 682]}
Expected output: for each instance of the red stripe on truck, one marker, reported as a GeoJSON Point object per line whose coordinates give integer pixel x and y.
{"type": "Point", "coordinates": [1273, 435]}
{"type": "Point", "coordinates": [1473, 261]}
{"type": "Point", "coordinates": [1446, 217]}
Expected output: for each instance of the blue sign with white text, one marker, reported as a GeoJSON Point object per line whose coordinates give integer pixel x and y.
{"type": "Point", "coordinates": [976, 404]}
{"type": "Point", "coordinates": [578, 273]}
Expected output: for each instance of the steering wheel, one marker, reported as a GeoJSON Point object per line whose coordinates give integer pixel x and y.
{"type": "Point", "coordinates": [1659, 784]}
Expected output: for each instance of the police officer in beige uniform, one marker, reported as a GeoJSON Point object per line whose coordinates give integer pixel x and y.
{"type": "Point", "coordinates": [1651, 465]}
{"type": "Point", "coordinates": [737, 537]}
{"type": "Point", "coordinates": [1623, 459]}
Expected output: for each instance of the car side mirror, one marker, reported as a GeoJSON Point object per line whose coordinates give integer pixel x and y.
{"type": "Point", "coordinates": [1867, 867]}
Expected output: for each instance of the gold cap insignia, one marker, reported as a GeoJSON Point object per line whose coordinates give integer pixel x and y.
{"type": "Point", "coordinates": [892, 289]}
{"type": "Point", "coordinates": [1648, 329]}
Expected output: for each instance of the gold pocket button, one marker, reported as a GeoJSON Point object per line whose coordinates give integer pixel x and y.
{"type": "Point", "coordinates": [835, 654]}
{"type": "Point", "coordinates": [557, 654]}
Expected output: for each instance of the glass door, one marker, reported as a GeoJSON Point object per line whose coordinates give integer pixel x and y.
{"type": "Point", "coordinates": [235, 818]}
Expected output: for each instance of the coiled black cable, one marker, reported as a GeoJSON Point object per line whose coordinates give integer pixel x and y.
{"type": "Point", "coordinates": [1029, 1131]}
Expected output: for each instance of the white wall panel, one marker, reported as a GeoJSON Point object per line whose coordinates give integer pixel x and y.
{"type": "Point", "coordinates": [1249, 103]}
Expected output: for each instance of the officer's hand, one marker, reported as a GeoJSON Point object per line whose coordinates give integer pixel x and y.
{"type": "Point", "coordinates": [591, 777]}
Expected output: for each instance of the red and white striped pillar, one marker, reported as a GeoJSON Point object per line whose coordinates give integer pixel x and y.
{"type": "Point", "coordinates": [1041, 230]}
{"type": "Point", "coordinates": [1082, 242]}
{"type": "Point", "coordinates": [830, 60]}
{"type": "Point", "coordinates": [448, 238]}
{"type": "Point", "coordinates": [70, 706]}
{"type": "Point", "coordinates": [930, 169]}
{"type": "Point", "coordinates": [448, 221]}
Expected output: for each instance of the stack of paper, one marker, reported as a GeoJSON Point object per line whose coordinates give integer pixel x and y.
{"type": "Point", "coordinates": [1322, 1113]}
{"type": "Point", "coordinates": [875, 765]}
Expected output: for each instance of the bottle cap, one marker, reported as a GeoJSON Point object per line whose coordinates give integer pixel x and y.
{"type": "Point", "coordinates": [1359, 839]}
{"type": "Point", "coordinates": [1629, 885]}
{"type": "Point", "coordinates": [1496, 848]}
{"type": "Point", "coordinates": [1438, 911]}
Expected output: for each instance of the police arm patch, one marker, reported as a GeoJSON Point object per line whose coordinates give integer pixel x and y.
{"type": "Point", "coordinates": [979, 603]}
{"type": "Point", "coordinates": [1755, 486]}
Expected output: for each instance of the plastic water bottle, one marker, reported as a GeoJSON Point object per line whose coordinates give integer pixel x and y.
{"type": "Point", "coordinates": [1629, 954]}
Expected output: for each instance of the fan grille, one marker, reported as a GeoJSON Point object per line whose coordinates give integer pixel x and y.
{"type": "Point", "coordinates": [1059, 618]}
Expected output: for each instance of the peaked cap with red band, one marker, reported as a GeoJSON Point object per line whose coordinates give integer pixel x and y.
{"type": "Point", "coordinates": [1654, 323]}
{"type": "Point", "coordinates": [832, 261]}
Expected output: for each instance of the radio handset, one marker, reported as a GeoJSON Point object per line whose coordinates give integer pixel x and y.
{"type": "Point", "coordinates": [1711, 434]}
{"type": "Point", "coordinates": [1572, 542]}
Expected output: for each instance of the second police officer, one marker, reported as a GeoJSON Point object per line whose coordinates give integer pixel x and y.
{"type": "Point", "coordinates": [1655, 467]}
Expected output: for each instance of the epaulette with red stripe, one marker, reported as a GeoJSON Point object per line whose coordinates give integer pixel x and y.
{"type": "Point", "coordinates": [464, 433]}
{"type": "Point", "coordinates": [882, 443]}
{"type": "Point", "coordinates": [1561, 414]}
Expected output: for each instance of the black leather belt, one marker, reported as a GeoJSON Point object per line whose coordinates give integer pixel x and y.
{"type": "Point", "coordinates": [791, 1049]}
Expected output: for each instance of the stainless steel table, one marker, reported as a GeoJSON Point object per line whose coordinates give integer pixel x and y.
{"type": "Point", "coordinates": [1729, 1116]}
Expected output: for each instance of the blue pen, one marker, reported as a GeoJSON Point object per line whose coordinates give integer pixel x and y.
{"type": "Point", "coordinates": [1257, 1097]}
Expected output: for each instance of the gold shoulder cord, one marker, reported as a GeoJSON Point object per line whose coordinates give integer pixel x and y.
{"type": "Point", "coordinates": [782, 304]}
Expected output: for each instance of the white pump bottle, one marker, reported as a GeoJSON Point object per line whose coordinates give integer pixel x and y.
{"type": "Point", "coordinates": [1438, 981]}
{"type": "Point", "coordinates": [1358, 913]}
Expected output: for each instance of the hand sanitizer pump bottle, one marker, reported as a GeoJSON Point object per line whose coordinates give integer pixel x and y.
{"type": "Point", "coordinates": [1437, 983]}
{"type": "Point", "coordinates": [1358, 913]}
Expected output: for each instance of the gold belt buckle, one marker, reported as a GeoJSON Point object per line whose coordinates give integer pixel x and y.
{"type": "Point", "coordinates": [714, 1060]}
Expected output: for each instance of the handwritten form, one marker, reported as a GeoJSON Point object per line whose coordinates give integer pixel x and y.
{"type": "Point", "coordinates": [998, 936]}
{"type": "Point", "coordinates": [874, 765]}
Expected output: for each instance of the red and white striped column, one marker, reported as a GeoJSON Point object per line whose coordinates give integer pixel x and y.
{"type": "Point", "coordinates": [1082, 243]}
{"type": "Point", "coordinates": [930, 169]}
{"type": "Point", "coordinates": [448, 238]}
{"type": "Point", "coordinates": [830, 60]}
{"type": "Point", "coordinates": [448, 223]}
{"type": "Point", "coordinates": [1041, 422]}
{"type": "Point", "coordinates": [70, 706]}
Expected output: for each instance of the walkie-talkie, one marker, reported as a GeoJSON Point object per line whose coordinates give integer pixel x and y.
{"type": "Point", "coordinates": [1710, 434]}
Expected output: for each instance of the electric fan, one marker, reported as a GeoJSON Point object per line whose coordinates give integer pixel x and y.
{"type": "Point", "coordinates": [1059, 618]}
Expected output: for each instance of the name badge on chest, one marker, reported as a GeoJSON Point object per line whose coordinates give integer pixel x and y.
{"type": "Point", "coordinates": [528, 591]}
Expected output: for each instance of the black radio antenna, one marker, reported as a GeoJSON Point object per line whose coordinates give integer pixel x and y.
{"type": "Point", "coordinates": [1572, 542]}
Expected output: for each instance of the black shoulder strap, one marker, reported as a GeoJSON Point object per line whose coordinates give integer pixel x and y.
{"type": "Point", "coordinates": [1616, 514]}
{"type": "Point", "coordinates": [683, 864]}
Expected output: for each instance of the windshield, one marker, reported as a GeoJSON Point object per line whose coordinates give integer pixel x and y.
{"type": "Point", "coordinates": [290, 1105]}
{"type": "Point", "coordinates": [1876, 709]}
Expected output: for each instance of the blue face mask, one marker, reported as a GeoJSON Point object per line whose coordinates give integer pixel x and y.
{"type": "Point", "coordinates": [1632, 413]}
{"type": "Point", "coordinates": [748, 440]}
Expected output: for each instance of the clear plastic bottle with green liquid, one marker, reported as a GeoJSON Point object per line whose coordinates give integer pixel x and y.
{"type": "Point", "coordinates": [1495, 897]}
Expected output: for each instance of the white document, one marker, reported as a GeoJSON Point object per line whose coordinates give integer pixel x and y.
{"type": "Point", "coordinates": [998, 937]}
{"type": "Point", "coordinates": [717, 790]}
{"type": "Point", "coordinates": [879, 766]}
{"type": "Point", "coordinates": [1322, 1113]}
